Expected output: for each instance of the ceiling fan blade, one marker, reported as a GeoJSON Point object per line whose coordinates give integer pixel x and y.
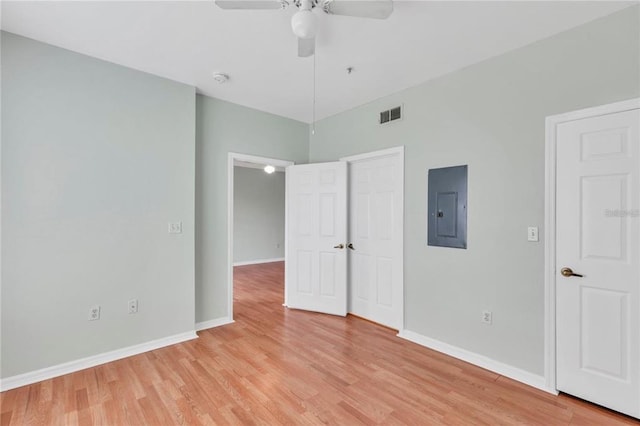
{"type": "Point", "coordinates": [249, 4]}
{"type": "Point", "coordinates": [306, 47]}
{"type": "Point", "coordinates": [377, 9]}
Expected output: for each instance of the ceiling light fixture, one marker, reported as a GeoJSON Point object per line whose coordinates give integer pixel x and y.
{"type": "Point", "coordinates": [269, 169]}
{"type": "Point", "coordinates": [304, 23]}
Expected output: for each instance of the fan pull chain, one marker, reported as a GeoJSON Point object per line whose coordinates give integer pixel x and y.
{"type": "Point", "coordinates": [313, 123]}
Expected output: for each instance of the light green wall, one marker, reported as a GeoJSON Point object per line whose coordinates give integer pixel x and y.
{"type": "Point", "coordinates": [223, 127]}
{"type": "Point", "coordinates": [96, 160]}
{"type": "Point", "coordinates": [258, 215]}
{"type": "Point", "coordinates": [490, 116]}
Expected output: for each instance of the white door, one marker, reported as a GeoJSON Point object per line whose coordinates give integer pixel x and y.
{"type": "Point", "coordinates": [316, 267]}
{"type": "Point", "coordinates": [598, 235]}
{"type": "Point", "coordinates": [375, 237]}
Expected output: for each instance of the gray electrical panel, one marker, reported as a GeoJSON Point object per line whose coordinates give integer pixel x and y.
{"type": "Point", "coordinates": [447, 207]}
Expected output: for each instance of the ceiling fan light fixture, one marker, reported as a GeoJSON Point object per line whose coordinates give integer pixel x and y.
{"type": "Point", "coordinates": [304, 24]}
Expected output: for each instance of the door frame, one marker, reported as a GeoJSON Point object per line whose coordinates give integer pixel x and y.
{"type": "Point", "coordinates": [551, 124]}
{"type": "Point", "coordinates": [397, 151]}
{"type": "Point", "coordinates": [232, 158]}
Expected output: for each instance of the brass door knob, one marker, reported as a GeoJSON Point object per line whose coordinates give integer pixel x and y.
{"type": "Point", "coordinates": [339, 246]}
{"type": "Point", "coordinates": [567, 272]}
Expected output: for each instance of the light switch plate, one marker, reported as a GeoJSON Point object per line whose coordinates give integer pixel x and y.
{"type": "Point", "coordinates": [532, 234]}
{"type": "Point", "coordinates": [175, 227]}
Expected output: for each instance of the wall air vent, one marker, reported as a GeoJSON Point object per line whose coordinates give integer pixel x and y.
{"type": "Point", "coordinates": [389, 115]}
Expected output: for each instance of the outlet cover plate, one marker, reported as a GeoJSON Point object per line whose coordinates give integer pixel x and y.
{"type": "Point", "coordinates": [94, 313]}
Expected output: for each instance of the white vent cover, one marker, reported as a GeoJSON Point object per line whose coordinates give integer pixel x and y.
{"type": "Point", "coordinates": [390, 115]}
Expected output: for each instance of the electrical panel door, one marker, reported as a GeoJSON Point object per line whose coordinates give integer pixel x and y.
{"type": "Point", "coordinates": [447, 207]}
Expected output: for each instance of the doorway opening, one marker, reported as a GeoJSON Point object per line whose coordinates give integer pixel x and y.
{"type": "Point", "coordinates": [256, 216]}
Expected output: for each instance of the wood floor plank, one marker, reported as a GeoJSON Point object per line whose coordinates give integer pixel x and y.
{"type": "Point", "coordinates": [275, 366]}
{"type": "Point", "coordinates": [5, 418]}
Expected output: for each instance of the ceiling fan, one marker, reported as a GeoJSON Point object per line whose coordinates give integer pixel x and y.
{"type": "Point", "coordinates": [304, 22]}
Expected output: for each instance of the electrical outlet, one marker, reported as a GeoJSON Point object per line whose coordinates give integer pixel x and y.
{"type": "Point", "coordinates": [133, 306]}
{"type": "Point", "coordinates": [175, 227]}
{"type": "Point", "coordinates": [94, 313]}
{"type": "Point", "coordinates": [487, 317]}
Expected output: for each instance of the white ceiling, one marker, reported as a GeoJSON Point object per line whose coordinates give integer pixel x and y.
{"type": "Point", "coordinates": [188, 40]}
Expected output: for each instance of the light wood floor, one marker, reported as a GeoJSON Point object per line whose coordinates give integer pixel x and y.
{"type": "Point", "coordinates": [278, 366]}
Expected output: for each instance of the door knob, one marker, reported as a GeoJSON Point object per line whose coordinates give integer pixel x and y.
{"type": "Point", "coordinates": [339, 246]}
{"type": "Point", "coordinates": [351, 246]}
{"type": "Point", "coordinates": [567, 272]}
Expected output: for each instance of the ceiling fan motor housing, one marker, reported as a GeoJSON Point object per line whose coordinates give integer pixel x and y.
{"type": "Point", "coordinates": [304, 23]}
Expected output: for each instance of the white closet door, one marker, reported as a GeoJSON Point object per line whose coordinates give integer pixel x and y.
{"type": "Point", "coordinates": [598, 240]}
{"type": "Point", "coordinates": [375, 232]}
{"type": "Point", "coordinates": [316, 267]}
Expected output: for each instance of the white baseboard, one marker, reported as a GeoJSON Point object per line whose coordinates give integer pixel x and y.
{"type": "Point", "coordinates": [213, 323]}
{"type": "Point", "coordinates": [258, 261]}
{"type": "Point", "coordinates": [81, 364]}
{"type": "Point", "coordinates": [480, 360]}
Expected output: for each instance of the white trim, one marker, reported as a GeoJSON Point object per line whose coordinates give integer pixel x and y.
{"type": "Point", "coordinates": [258, 261]}
{"type": "Point", "coordinates": [248, 165]}
{"type": "Point", "coordinates": [205, 325]}
{"type": "Point", "coordinates": [286, 233]}
{"type": "Point", "coordinates": [234, 158]}
{"type": "Point", "coordinates": [596, 111]}
{"type": "Point", "coordinates": [550, 257]}
{"type": "Point", "coordinates": [92, 361]}
{"type": "Point", "coordinates": [398, 150]}
{"type": "Point", "coordinates": [230, 165]}
{"type": "Point", "coordinates": [551, 124]}
{"type": "Point", "coordinates": [247, 158]}
{"type": "Point", "coordinates": [479, 360]}
{"type": "Point", "coordinates": [389, 152]}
